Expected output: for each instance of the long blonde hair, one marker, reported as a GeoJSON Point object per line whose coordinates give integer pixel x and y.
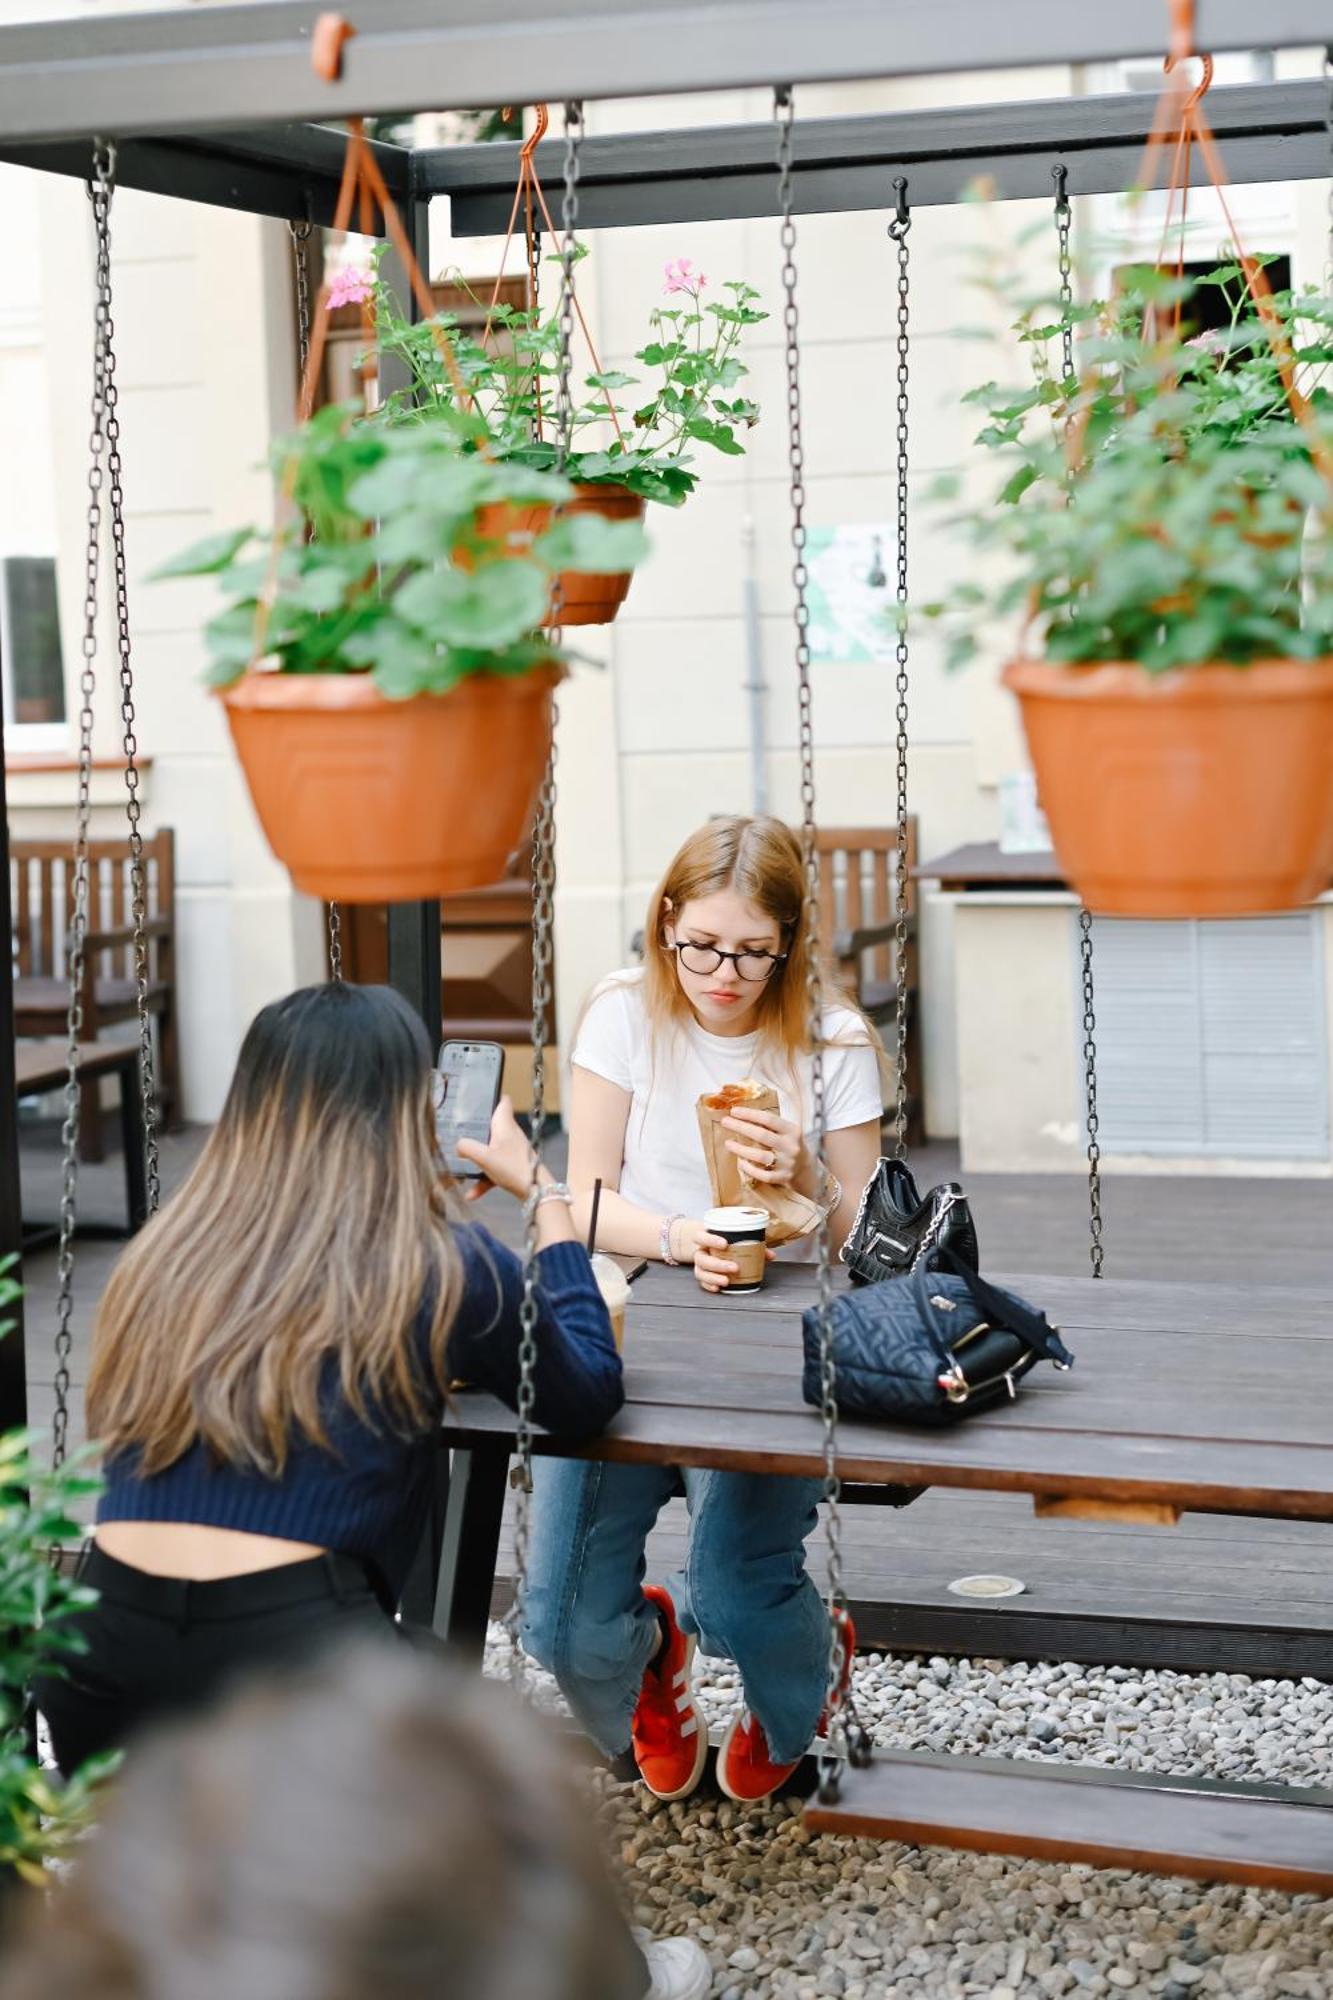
{"type": "Point", "coordinates": [305, 1240]}
{"type": "Point", "coordinates": [760, 859]}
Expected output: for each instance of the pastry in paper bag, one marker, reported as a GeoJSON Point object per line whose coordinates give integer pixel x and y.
{"type": "Point", "coordinates": [790, 1214]}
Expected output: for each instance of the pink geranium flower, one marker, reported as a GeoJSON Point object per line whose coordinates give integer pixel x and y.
{"type": "Point", "coordinates": [351, 286]}
{"type": "Point", "coordinates": [681, 276]}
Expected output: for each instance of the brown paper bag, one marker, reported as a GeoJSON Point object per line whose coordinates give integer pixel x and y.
{"type": "Point", "coordinates": [790, 1214]}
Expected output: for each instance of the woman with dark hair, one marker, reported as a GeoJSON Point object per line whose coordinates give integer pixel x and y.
{"type": "Point", "coordinates": [271, 1359]}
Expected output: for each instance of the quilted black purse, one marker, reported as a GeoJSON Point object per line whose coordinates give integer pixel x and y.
{"type": "Point", "coordinates": [896, 1226]}
{"type": "Point", "coordinates": [929, 1348]}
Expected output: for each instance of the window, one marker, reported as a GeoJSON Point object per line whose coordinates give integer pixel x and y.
{"type": "Point", "coordinates": [31, 663]}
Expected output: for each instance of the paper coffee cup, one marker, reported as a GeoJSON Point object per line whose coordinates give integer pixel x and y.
{"type": "Point", "coordinates": [745, 1231]}
{"type": "Point", "coordinates": [614, 1287]}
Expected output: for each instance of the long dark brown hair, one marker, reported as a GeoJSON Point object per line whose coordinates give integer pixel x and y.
{"type": "Point", "coordinates": [308, 1235]}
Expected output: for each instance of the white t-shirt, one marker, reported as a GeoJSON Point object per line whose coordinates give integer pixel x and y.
{"type": "Point", "coordinates": [664, 1169]}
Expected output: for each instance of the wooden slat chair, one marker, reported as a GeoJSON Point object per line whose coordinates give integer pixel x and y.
{"type": "Point", "coordinates": [857, 932]}
{"type": "Point", "coordinates": [41, 888]}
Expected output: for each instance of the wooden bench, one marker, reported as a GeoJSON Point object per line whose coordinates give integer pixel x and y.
{"type": "Point", "coordinates": [41, 893]}
{"type": "Point", "coordinates": [858, 931]}
{"type": "Point", "coordinates": [1184, 1397]}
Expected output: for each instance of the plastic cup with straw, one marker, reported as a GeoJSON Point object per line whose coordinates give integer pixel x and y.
{"type": "Point", "coordinates": [611, 1280]}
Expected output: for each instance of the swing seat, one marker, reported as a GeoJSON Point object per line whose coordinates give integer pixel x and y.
{"type": "Point", "coordinates": [1199, 1827]}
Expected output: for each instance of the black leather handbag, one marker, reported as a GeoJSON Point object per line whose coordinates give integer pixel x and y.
{"type": "Point", "coordinates": [897, 1228]}
{"type": "Point", "coordinates": [929, 1348]}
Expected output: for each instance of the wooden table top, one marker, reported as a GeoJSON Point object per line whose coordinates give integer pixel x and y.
{"type": "Point", "coordinates": [983, 864]}
{"type": "Point", "coordinates": [1213, 1398]}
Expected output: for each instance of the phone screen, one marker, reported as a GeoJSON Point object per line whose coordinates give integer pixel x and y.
{"type": "Point", "coordinates": [471, 1075]}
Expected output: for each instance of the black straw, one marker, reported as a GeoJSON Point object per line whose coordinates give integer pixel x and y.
{"type": "Point", "coordinates": [592, 1224]}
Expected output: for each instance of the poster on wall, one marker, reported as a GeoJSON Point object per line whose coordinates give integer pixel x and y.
{"type": "Point", "coordinates": [851, 593]}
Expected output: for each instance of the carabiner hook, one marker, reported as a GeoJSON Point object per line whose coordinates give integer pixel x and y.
{"type": "Point", "coordinates": [902, 220]}
{"type": "Point", "coordinates": [1060, 175]}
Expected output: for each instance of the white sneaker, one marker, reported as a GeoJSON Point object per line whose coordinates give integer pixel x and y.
{"type": "Point", "coordinates": [677, 1966]}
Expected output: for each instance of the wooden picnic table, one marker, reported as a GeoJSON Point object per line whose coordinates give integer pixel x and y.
{"type": "Point", "coordinates": [1207, 1398]}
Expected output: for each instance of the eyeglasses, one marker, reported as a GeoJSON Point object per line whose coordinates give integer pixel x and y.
{"type": "Point", "coordinates": [752, 965]}
{"type": "Point", "coordinates": [438, 1089]}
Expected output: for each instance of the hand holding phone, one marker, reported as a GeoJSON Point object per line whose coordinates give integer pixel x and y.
{"type": "Point", "coordinates": [505, 1160]}
{"type": "Point", "coordinates": [468, 1082]}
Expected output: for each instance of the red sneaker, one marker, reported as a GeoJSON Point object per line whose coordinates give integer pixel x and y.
{"type": "Point", "coordinates": [669, 1732]}
{"type": "Point", "coordinates": [745, 1771]}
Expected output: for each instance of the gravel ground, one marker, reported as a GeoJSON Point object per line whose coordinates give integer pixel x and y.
{"type": "Point", "coordinates": [785, 1913]}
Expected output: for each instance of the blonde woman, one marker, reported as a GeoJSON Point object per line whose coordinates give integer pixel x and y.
{"type": "Point", "coordinates": [721, 996]}
{"type": "Point", "coordinates": [270, 1361]}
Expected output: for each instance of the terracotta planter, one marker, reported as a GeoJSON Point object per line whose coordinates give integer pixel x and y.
{"type": "Point", "coordinates": [586, 597]}
{"type": "Point", "coordinates": [366, 800]}
{"type": "Point", "coordinates": [1205, 792]}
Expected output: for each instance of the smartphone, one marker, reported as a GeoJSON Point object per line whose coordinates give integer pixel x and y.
{"type": "Point", "coordinates": [471, 1079]}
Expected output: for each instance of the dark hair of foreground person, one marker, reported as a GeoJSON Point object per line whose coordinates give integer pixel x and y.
{"type": "Point", "coordinates": [374, 1826]}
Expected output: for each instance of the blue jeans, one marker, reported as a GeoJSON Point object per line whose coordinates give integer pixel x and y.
{"type": "Point", "coordinates": [744, 1592]}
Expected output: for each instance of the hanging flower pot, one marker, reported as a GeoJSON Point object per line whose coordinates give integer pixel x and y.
{"type": "Point", "coordinates": [578, 597]}
{"type": "Point", "coordinates": [386, 684]}
{"type": "Point", "coordinates": [1203, 792]}
{"type": "Point", "coordinates": [368, 800]}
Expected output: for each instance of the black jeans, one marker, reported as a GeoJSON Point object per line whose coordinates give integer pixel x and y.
{"type": "Point", "coordinates": [158, 1645]}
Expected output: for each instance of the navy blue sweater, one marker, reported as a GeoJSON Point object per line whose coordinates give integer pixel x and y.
{"type": "Point", "coordinates": [367, 1496]}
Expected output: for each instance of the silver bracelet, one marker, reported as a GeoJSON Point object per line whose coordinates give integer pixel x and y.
{"type": "Point", "coordinates": [664, 1240]}
{"type": "Point", "coordinates": [558, 1191]}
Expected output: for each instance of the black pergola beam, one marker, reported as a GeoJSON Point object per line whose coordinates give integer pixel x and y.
{"type": "Point", "coordinates": [1270, 132]}
{"type": "Point", "coordinates": [290, 171]}
{"type": "Point", "coordinates": [216, 67]}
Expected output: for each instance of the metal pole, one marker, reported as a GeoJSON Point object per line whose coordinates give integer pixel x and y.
{"type": "Point", "coordinates": [414, 928]}
{"type": "Point", "coordinates": [756, 687]}
{"type": "Point", "coordinates": [13, 1348]}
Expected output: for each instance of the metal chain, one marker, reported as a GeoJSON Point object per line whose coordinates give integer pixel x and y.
{"type": "Point", "coordinates": [101, 191]}
{"type": "Point", "coordinates": [99, 195]}
{"type": "Point", "coordinates": [534, 249]}
{"type": "Point", "coordinates": [1065, 262]}
{"type": "Point", "coordinates": [899, 226]}
{"type": "Point", "coordinates": [842, 1732]}
{"type": "Point", "coordinates": [1096, 1250]}
{"type": "Point", "coordinates": [543, 926]}
{"type": "Point", "coordinates": [300, 233]}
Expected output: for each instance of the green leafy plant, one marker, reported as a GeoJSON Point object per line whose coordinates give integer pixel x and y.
{"type": "Point", "coordinates": [689, 395]}
{"type": "Point", "coordinates": [40, 1817]}
{"type": "Point", "coordinates": [387, 567]}
{"type": "Point", "coordinates": [1153, 503]}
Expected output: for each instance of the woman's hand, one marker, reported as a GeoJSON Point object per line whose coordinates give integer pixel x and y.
{"type": "Point", "coordinates": [692, 1243]}
{"type": "Point", "coordinates": [771, 1149]}
{"type": "Point", "coordinates": [506, 1162]}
